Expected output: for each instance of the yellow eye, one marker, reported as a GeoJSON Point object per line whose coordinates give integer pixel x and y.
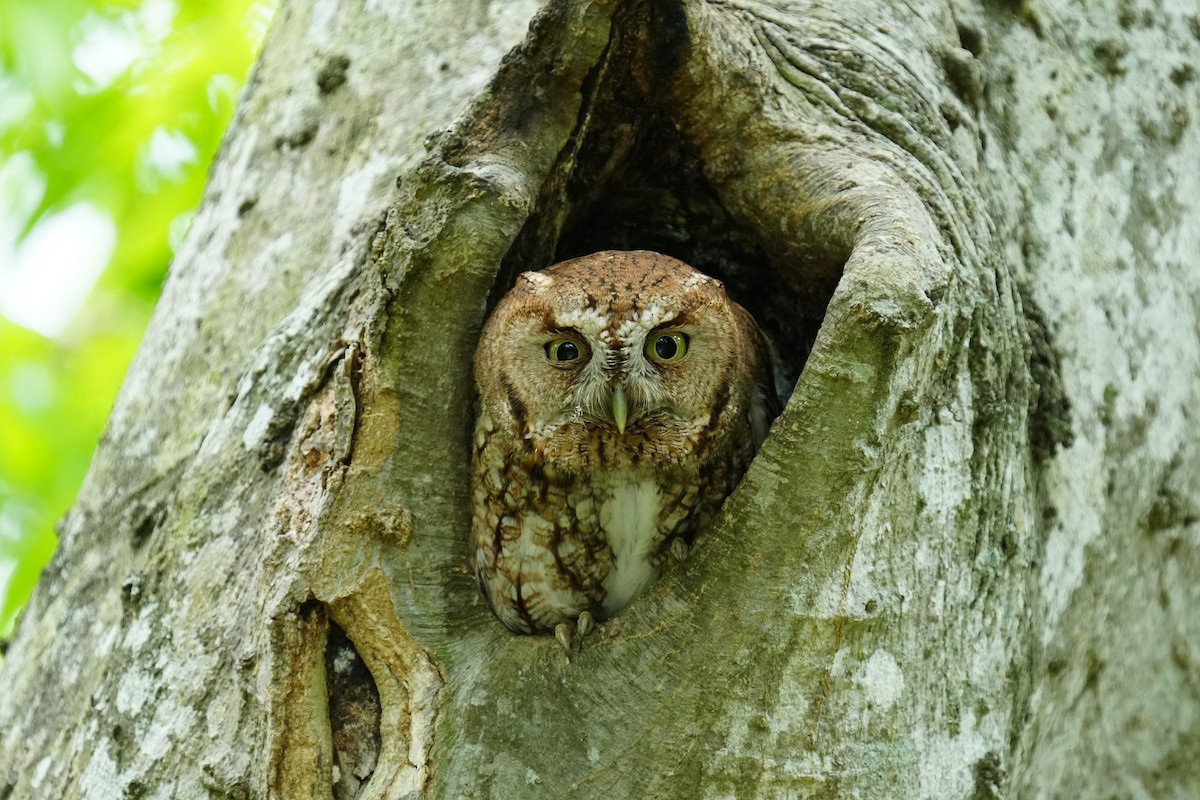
{"type": "Point", "coordinates": [565, 352]}
{"type": "Point", "coordinates": [667, 348]}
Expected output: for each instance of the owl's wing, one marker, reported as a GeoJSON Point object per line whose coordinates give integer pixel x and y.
{"type": "Point", "coordinates": [764, 402]}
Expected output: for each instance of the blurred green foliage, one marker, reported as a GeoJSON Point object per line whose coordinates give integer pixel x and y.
{"type": "Point", "coordinates": [120, 105]}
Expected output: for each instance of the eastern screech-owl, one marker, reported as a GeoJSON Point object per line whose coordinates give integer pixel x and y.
{"type": "Point", "coordinates": [621, 397]}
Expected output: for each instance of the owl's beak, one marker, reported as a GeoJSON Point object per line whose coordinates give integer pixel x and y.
{"type": "Point", "coordinates": [620, 408]}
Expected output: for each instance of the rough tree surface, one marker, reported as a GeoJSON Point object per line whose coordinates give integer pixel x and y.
{"type": "Point", "coordinates": [964, 565]}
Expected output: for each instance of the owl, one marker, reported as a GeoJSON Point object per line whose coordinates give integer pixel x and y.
{"type": "Point", "coordinates": [621, 397]}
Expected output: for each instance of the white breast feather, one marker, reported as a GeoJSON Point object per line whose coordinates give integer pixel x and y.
{"type": "Point", "coordinates": [630, 520]}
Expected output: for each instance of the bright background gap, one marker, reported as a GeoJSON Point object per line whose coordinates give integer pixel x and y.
{"type": "Point", "coordinates": [110, 114]}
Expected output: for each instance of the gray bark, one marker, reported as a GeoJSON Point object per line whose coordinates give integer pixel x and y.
{"type": "Point", "coordinates": [964, 564]}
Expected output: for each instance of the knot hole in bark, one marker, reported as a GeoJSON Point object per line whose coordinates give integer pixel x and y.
{"type": "Point", "coordinates": [326, 709]}
{"type": "Point", "coordinates": [354, 715]}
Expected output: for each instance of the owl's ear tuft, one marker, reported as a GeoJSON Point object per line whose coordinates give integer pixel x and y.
{"type": "Point", "coordinates": [538, 281]}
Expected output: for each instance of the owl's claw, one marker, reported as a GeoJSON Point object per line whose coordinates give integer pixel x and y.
{"type": "Point", "coordinates": [571, 636]}
{"type": "Point", "coordinates": [679, 550]}
{"type": "Point", "coordinates": [562, 632]}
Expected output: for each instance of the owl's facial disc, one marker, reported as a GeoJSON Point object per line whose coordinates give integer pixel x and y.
{"type": "Point", "coordinates": [628, 368]}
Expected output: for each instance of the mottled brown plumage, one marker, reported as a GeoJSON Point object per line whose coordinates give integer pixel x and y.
{"type": "Point", "coordinates": [621, 397]}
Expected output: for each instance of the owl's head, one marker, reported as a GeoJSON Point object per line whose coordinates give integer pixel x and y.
{"type": "Point", "coordinates": [621, 359]}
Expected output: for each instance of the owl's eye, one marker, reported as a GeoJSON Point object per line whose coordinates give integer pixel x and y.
{"type": "Point", "coordinates": [666, 348]}
{"type": "Point", "coordinates": [565, 352]}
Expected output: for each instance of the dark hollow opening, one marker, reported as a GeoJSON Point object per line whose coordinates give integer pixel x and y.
{"type": "Point", "coordinates": [354, 714]}
{"type": "Point", "coordinates": [630, 180]}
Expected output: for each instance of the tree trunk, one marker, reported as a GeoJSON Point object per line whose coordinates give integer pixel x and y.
{"type": "Point", "coordinates": [964, 564]}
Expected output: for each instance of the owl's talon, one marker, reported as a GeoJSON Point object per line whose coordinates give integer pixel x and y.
{"type": "Point", "coordinates": [570, 636]}
{"type": "Point", "coordinates": [679, 550]}
{"type": "Point", "coordinates": [562, 632]}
